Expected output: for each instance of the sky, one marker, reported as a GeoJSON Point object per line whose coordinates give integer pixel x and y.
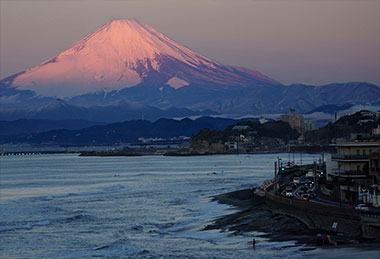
{"type": "Point", "coordinates": [292, 41]}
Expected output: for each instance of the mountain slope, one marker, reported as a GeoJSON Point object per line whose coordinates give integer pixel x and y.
{"type": "Point", "coordinates": [308, 97]}
{"type": "Point", "coordinates": [127, 61]}
{"type": "Point", "coordinates": [26, 126]}
{"type": "Point", "coordinates": [58, 109]}
{"type": "Point", "coordinates": [121, 54]}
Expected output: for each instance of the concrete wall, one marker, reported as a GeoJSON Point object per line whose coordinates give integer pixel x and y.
{"type": "Point", "coordinates": [351, 223]}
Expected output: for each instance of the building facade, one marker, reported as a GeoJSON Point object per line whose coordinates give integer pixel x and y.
{"type": "Point", "coordinates": [297, 122]}
{"type": "Point", "coordinates": [356, 170]}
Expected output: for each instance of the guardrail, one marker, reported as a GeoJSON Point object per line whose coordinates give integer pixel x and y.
{"type": "Point", "coordinates": [321, 208]}
{"type": "Point", "coordinates": [311, 206]}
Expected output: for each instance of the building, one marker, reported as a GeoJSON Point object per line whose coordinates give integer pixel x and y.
{"type": "Point", "coordinates": [296, 121]}
{"type": "Point", "coordinates": [262, 120]}
{"type": "Point", "coordinates": [376, 131]}
{"type": "Point", "coordinates": [355, 169]}
{"type": "Point", "coordinates": [309, 126]}
{"type": "Point", "coordinates": [240, 127]}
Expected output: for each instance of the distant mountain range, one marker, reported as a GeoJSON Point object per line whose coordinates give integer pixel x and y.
{"type": "Point", "coordinates": [331, 108]}
{"type": "Point", "coordinates": [123, 132]}
{"type": "Point", "coordinates": [58, 109]}
{"type": "Point", "coordinates": [343, 109]}
{"type": "Point", "coordinates": [126, 70]}
{"type": "Point", "coordinates": [29, 126]}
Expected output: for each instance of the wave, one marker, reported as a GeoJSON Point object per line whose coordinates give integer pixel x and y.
{"type": "Point", "coordinates": [47, 198]}
{"type": "Point", "coordinates": [118, 248]}
{"type": "Point", "coordinates": [4, 227]}
{"type": "Point", "coordinates": [28, 225]}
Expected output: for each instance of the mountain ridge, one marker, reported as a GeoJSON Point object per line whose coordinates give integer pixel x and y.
{"type": "Point", "coordinates": [120, 55]}
{"type": "Point", "coordinates": [137, 64]}
{"type": "Point", "coordinates": [28, 126]}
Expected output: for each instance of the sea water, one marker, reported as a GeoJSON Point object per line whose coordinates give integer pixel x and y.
{"type": "Point", "coordinates": [67, 206]}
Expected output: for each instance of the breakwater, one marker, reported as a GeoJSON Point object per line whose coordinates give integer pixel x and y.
{"type": "Point", "coordinates": [139, 152]}
{"type": "Point", "coordinates": [31, 153]}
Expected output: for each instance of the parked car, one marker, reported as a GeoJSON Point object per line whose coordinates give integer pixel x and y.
{"type": "Point", "coordinates": [302, 188]}
{"type": "Point", "coordinates": [296, 180]}
{"type": "Point", "coordinates": [309, 185]}
{"type": "Point", "coordinates": [321, 174]}
{"type": "Point", "coordinates": [362, 207]}
{"type": "Point", "coordinates": [301, 192]}
{"type": "Point", "coordinates": [305, 197]}
{"type": "Point", "coordinates": [311, 194]}
{"type": "Point", "coordinates": [289, 192]}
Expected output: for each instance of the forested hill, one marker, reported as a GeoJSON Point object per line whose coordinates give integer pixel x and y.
{"type": "Point", "coordinates": [271, 129]}
{"type": "Point", "coordinates": [359, 122]}
{"type": "Point", "coordinates": [123, 132]}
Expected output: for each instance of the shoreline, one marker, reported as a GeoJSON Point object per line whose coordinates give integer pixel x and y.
{"type": "Point", "coordinates": [148, 152]}
{"type": "Point", "coordinates": [256, 214]}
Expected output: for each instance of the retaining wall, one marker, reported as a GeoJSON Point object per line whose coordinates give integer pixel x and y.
{"type": "Point", "coordinates": [352, 223]}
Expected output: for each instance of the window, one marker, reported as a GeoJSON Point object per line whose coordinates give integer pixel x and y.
{"type": "Point", "coordinates": [364, 152]}
{"type": "Point", "coordinates": [358, 168]}
{"type": "Point", "coordinates": [357, 152]}
{"type": "Point", "coordinates": [370, 151]}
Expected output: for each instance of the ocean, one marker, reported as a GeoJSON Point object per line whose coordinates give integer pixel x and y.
{"type": "Point", "coordinates": [67, 206]}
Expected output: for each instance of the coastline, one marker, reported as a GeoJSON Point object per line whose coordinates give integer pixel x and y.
{"type": "Point", "coordinates": [256, 214]}
{"type": "Point", "coordinates": [143, 151]}
{"type": "Point", "coordinates": [171, 152]}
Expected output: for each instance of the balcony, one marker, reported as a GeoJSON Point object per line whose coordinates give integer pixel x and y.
{"type": "Point", "coordinates": [350, 157]}
{"type": "Point", "coordinates": [374, 171]}
{"type": "Point", "coordinates": [350, 173]}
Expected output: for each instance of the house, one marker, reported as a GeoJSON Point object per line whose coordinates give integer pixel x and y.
{"type": "Point", "coordinates": [356, 170]}
{"type": "Point", "coordinates": [240, 127]}
{"type": "Point", "coordinates": [376, 131]}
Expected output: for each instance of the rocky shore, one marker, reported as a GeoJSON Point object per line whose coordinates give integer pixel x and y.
{"type": "Point", "coordinates": [255, 214]}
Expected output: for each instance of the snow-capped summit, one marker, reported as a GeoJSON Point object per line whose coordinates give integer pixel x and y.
{"type": "Point", "coordinates": [129, 62]}
{"type": "Point", "coordinates": [125, 53]}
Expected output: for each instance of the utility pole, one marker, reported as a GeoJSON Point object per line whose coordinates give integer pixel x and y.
{"type": "Point", "coordinates": [340, 191]}
{"type": "Point", "coordinates": [275, 177]}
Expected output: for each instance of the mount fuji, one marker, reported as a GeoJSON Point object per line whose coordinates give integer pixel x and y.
{"type": "Point", "coordinates": [127, 63]}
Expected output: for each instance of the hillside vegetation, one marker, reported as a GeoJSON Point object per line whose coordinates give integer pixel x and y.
{"type": "Point", "coordinates": [245, 137]}
{"type": "Point", "coordinates": [359, 122]}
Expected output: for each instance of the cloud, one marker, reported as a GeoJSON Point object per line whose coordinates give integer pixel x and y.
{"type": "Point", "coordinates": [9, 99]}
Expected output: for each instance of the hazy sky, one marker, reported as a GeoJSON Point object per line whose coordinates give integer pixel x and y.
{"type": "Point", "coordinates": [292, 41]}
